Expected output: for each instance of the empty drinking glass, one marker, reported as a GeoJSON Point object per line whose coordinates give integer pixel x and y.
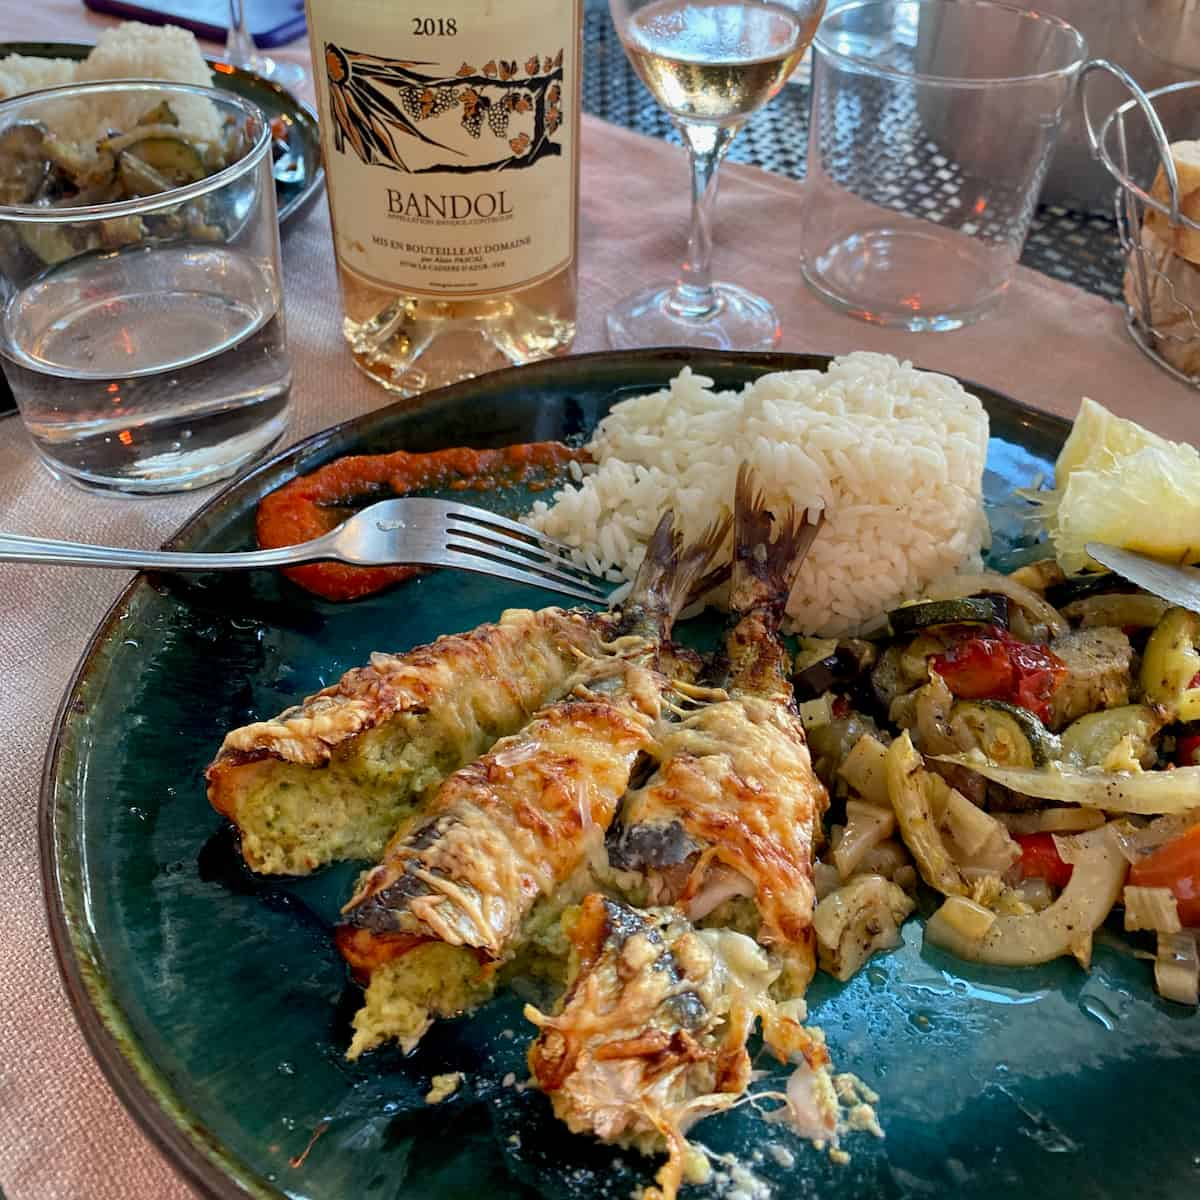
{"type": "Point", "coordinates": [933, 123]}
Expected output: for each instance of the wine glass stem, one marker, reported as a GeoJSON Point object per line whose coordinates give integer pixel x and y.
{"type": "Point", "coordinates": [693, 294]}
{"type": "Point", "coordinates": [239, 45]}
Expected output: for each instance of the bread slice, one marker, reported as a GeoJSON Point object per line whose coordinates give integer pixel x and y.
{"type": "Point", "coordinates": [1180, 239]}
{"type": "Point", "coordinates": [1173, 288]}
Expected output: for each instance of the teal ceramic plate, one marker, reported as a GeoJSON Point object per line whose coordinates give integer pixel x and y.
{"type": "Point", "coordinates": [298, 170]}
{"type": "Point", "coordinates": [220, 1011]}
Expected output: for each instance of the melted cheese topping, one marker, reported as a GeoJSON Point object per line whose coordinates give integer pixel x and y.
{"type": "Point", "coordinates": [651, 1033]}
{"type": "Point", "coordinates": [738, 779]}
{"type": "Point", "coordinates": [513, 825]}
{"type": "Point", "coordinates": [332, 777]}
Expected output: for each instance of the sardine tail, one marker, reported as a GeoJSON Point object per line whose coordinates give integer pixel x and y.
{"type": "Point", "coordinates": [765, 570]}
{"type": "Point", "coordinates": [672, 573]}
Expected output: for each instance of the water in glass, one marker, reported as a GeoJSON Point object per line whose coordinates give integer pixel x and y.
{"type": "Point", "coordinates": [151, 362]}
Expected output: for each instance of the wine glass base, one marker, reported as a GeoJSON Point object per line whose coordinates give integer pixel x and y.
{"type": "Point", "coordinates": [739, 320]}
{"type": "Point", "coordinates": [288, 75]}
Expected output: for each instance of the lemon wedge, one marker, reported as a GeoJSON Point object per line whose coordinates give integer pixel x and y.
{"type": "Point", "coordinates": [1122, 484]}
{"type": "Point", "coordinates": [1098, 439]}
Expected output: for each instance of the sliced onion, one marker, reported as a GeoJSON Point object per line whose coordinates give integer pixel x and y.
{"type": "Point", "coordinates": [1149, 792]}
{"type": "Point", "coordinates": [1052, 820]}
{"type": "Point", "coordinates": [1177, 968]}
{"type": "Point", "coordinates": [865, 770]}
{"type": "Point", "coordinates": [866, 826]}
{"type": "Point", "coordinates": [1063, 928]}
{"type": "Point", "coordinates": [814, 713]}
{"type": "Point", "coordinates": [1152, 908]}
{"type": "Point", "coordinates": [1135, 843]}
{"type": "Point", "coordinates": [953, 587]}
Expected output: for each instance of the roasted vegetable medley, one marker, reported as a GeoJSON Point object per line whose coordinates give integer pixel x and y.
{"type": "Point", "coordinates": [1028, 746]}
{"type": "Point", "coordinates": [42, 169]}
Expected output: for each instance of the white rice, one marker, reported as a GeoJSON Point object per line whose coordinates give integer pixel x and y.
{"type": "Point", "coordinates": [131, 50]}
{"type": "Point", "coordinates": [892, 455]}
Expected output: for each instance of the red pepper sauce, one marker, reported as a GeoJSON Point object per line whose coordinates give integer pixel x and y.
{"type": "Point", "coordinates": [313, 504]}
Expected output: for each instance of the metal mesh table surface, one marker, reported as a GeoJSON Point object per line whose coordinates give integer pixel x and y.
{"type": "Point", "coordinates": [1078, 248]}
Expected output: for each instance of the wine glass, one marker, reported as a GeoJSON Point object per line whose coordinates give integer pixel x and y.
{"type": "Point", "coordinates": [241, 51]}
{"type": "Point", "coordinates": [710, 64]}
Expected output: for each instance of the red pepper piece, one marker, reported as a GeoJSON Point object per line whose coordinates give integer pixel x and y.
{"type": "Point", "coordinates": [1040, 859]}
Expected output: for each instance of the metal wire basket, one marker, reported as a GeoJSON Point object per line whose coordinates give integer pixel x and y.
{"type": "Point", "coordinates": [1159, 241]}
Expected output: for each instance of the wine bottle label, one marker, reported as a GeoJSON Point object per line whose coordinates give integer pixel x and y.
{"type": "Point", "coordinates": [450, 141]}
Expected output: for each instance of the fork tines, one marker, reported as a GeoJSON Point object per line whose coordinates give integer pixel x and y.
{"type": "Point", "coordinates": [487, 535]}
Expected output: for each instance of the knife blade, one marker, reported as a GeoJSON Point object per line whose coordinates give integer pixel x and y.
{"type": "Point", "coordinates": [1175, 584]}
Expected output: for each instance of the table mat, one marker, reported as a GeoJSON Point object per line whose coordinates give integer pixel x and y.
{"type": "Point", "coordinates": [63, 1134]}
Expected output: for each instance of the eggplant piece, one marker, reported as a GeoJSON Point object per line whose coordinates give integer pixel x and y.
{"type": "Point", "coordinates": [1091, 583]}
{"type": "Point", "coordinates": [160, 114]}
{"type": "Point", "coordinates": [985, 609]}
{"type": "Point", "coordinates": [831, 666]}
{"type": "Point", "coordinates": [24, 163]}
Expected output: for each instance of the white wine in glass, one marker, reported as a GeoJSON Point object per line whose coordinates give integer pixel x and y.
{"type": "Point", "coordinates": [710, 64]}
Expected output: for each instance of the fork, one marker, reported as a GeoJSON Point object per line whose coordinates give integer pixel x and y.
{"type": "Point", "coordinates": [412, 529]}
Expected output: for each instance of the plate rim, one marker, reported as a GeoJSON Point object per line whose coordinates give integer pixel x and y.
{"type": "Point", "coordinates": [208, 1163]}
{"type": "Point", "coordinates": [301, 201]}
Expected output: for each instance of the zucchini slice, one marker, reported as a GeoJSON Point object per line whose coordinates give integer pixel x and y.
{"type": "Point", "coordinates": [1092, 583]}
{"type": "Point", "coordinates": [1006, 733]}
{"type": "Point", "coordinates": [1089, 740]}
{"type": "Point", "coordinates": [50, 243]}
{"type": "Point", "coordinates": [172, 158]}
{"type": "Point", "coordinates": [139, 178]}
{"type": "Point", "coordinates": [975, 610]}
{"type": "Point", "coordinates": [1171, 664]}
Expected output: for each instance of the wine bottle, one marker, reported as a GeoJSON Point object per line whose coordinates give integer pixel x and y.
{"type": "Point", "coordinates": [450, 138]}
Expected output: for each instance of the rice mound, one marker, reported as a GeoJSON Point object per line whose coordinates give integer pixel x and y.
{"type": "Point", "coordinates": [893, 456]}
{"type": "Point", "coordinates": [131, 50]}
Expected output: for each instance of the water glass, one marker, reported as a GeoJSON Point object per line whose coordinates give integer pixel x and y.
{"type": "Point", "coordinates": [933, 123]}
{"type": "Point", "coordinates": [141, 323]}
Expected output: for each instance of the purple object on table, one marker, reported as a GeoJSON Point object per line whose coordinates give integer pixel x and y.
{"type": "Point", "coordinates": [271, 22]}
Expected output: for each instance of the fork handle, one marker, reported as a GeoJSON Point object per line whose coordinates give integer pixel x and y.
{"type": "Point", "coordinates": [16, 548]}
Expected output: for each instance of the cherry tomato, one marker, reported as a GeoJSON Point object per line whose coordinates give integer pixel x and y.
{"type": "Point", "coordinates": [1187, 750]}
{"type": "Point", "coordinates": [997, 666]}
{"type": "Point", "coordinates": [978, 668]}
{"type": "Point", "coordinates": [1040, 859]}
{"type": "Point", "coordinates": [1175, 865]}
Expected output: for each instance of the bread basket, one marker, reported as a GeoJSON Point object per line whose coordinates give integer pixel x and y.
{"type": "Point", "coordinates": [1157, 204]}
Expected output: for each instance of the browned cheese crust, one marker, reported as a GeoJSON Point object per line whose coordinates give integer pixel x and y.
{"type": "Point", "coordinates": [509, 827]}
{"type": "Point", "coordinates": [386, 732]}
{"type": "Point", "coordinates": [734, 809]}
{"type": "Point", "coordinates": [651, 1033]}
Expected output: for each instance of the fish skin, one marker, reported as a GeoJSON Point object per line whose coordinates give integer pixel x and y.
{"type": "Point", "coordinates": [735, 804]}
{"type": "Point", "coordinates": [510, 827]}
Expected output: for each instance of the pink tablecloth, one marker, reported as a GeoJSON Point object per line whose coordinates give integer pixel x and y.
{"type": "Point", "coordinates": [62, 1132]}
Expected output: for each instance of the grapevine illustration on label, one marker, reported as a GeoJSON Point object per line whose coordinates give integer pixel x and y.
{"type": "Point", "coordinates": [412, 117]}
